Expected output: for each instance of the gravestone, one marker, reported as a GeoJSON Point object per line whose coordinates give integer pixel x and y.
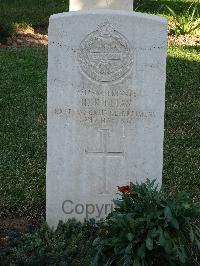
{"type": "Point", "coordinates": [106, 97]}
{"type": "Point", "coordinates": [88, 4]}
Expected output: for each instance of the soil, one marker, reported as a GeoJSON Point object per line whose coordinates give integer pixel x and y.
{"type": "Point", "coordinates": [186, 40]}
{"type": "Point", "coordinates": [12, 224]}
{"type": "Point", "coordinates": [30, 37]}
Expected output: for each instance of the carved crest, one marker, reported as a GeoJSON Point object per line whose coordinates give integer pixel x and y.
{"type": "Point", "coordinates": [105, 55]}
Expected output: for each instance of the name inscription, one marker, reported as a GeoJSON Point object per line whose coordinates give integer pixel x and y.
{"type": "Point", "coordinates": [105, 106]}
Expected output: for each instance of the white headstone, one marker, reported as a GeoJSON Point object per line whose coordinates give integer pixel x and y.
{"type": "Point", "coordinates": [76, 5]}
{"type": "Point", "coordinates": [106, 97]}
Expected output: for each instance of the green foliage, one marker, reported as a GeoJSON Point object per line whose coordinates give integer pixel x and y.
{"type": "Point", "coordinates": [69, 244]}
{"type": "Point", "coordinates": [149, 227]}
{"type": "Point", "coordinates": [6, 31]}
{"type": "Point", "coordinates": [185, 24]}
{"type": "Point", "coordinates": [158, 7]}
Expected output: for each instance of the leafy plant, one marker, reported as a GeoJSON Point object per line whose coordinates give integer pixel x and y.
{"type": "Point", "coordinates": [148, 227]}
{"type": "Point", "coordinates": [185, 24]}
{"type": "Point", "coordinates": [69, 244]}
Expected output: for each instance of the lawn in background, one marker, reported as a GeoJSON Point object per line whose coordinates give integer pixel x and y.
{"type": "Point", "coordinates": [182, 120]}
{"type": "Point", "coordinates": [23, 129]}
{"type": "Point", "coordinates": [23, 126]}
{"type": "Point", "coordinates": [32, 12]}
{"type": "Point", "coordinates": [158, 7]}
{"type": "Point", "coordinates": [37, 12]}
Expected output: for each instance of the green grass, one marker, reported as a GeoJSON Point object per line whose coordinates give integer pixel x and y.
{"type": "Point", "coordinates": [37, 12]}
{"type": "Point", "coordinates": [34, 12]}
{"type": "Point", "coordinates": [159, 6]}
{"type": "Point", "coordinates": [182, 136]}
{"type": "Point", "coordinates": [23, 128]}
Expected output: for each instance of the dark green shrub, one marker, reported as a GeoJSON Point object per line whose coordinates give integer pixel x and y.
{"type": "Point", "coordinates": [5, 32]}
{"type": "Point", "coordinates": [69, 244]}
{"type": "Point", "coordinates": [149, 227]}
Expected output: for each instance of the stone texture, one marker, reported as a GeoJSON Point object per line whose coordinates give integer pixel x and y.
{"type": "Point", "coordinates": [76, 5]}
{"type": "Point", "coordinates": [106, 97]}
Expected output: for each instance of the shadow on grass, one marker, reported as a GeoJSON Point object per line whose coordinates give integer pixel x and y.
{"type": "Point", "coordinates": [31, 12]}
{"type": "Point", "coordinates": [182, 127]}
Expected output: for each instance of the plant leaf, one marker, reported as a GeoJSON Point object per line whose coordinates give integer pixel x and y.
{"type": "Point", "coordinates": [168, 213]}
{"type": "Point", "coordinates": [149, 243]}
{"type": "Point", "coordinates": [174, 223]}
{"type": "Point", "coordinates": [191, 233]}
{"type": "Point", "coordinates": [141, 251]}
{"type": "Point", "coordinates": [171, 11]}
{"type": "Point", "coordinates": [136, 262]}
{"type": "Point", "coordinates": [130, 236]}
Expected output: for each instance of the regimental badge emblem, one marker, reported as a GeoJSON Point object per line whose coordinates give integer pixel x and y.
{"type": "Point", "coordinates": [105, 55]}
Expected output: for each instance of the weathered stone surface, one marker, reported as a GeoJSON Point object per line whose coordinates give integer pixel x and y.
{"type": "Point", "coordinates": [76, 5]}
{"type": "Point", "coordinates": [106, 80]}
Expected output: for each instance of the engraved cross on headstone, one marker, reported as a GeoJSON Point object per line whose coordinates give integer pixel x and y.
{"type": "Point", "coordinates": [105, 153]}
